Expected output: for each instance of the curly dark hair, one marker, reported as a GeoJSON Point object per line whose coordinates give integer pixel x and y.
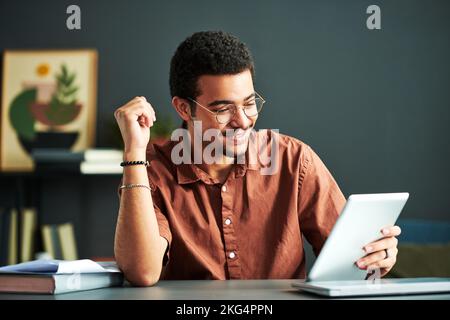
{"type": "Point", "coordinates": [206, 53]}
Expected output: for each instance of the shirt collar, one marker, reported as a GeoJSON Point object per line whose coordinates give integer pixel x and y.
{"type": "Point", "coordinates": [190, 173]}
{"type": "Point", "coordinates": [186, 174]}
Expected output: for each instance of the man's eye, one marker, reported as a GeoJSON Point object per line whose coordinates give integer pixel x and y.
{"type": "Point", "coordinates": [224, 110]}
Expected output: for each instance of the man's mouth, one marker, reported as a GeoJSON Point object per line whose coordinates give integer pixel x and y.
{"type": "Point", "coordinates": [239, 136]}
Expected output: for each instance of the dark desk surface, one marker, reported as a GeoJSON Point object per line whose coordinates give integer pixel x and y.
{"type": "Point", "coordinates": [203, 290]}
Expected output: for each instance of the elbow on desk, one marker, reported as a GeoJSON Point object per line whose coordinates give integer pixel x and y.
{"type": "Point", "coordinates": [141, 279]}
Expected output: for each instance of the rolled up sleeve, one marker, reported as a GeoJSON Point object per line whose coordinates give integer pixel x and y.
{"type": "Point", "coordinates": [163, 223]}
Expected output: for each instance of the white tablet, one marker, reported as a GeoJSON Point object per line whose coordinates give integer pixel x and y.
{"type": "Point", "coordinates": [359, 224]}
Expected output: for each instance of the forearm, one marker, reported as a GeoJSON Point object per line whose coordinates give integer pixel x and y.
{"type": "Point", "coordinates": [138, 246]}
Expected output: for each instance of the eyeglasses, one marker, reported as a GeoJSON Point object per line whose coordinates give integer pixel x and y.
{"type": "Point", "coordinates": [226, 112]}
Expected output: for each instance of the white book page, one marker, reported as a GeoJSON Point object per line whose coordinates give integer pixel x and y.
{"type": "Point", "coordinates": [62, 267]}
{"type": "Point", "coordinates": [79, 266]}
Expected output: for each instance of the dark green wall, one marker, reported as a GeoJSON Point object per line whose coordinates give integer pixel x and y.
{"type": "Point", "coordinates": [375, 105]}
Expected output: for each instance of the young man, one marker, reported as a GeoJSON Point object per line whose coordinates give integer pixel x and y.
{"type": "Point", "coordinates": [222, 220]}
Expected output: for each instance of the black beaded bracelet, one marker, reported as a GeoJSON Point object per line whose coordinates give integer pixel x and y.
{"type": "Point", "coordinates": [134, 163]}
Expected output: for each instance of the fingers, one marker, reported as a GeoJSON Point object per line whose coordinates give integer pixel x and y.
{"type": "Point", "coordinates": [144, 115]}
{"type": "Point", "coordinates": [383, 264]}
{"type": "Point", "coordinates": [137, 109]}
{"type": "Point", "coordinates": [385, 243]}
{"type": "Point", "coordinates": [135, 112]}
{"type": "Point", "coordinates": [370, 259]}
{"type": "Point", "coordinates": [144, 121]}
{"type": "Point", "coordinates": [148, 105]}
{"type": "Point", "coordinates": [142, 101]}
{"type": "Point", "coordinates": [376, 254]}
{"type": "Point", "coordinates": [391, 231]}
{"type": "Point", "coordinates": [133, 101]}
{"type": "Point", "coordinates": [378, 258]}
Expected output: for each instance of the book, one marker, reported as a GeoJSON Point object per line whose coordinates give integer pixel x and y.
{"type": "Point", "coordinates": [29, 220]}
{"type": "Point", "coordinates": [4, 235]}
{"type": "Point", "coordinates": [101, 168]}
{"type": "Point", "coordinates": [57, 167]}
{"type": "Point", "coordinates": [56, 156]}
{"type": "Point", "coordinates": [83, 167]}
{"type": "Point", "coordinates": [67, 156]}
{"type": "Point", "coordinates": [56, 276]}
{"type": "Point", "coordinates": [52, 244]}
{"type": "Point", "coordinates": [90, 161]}
{"type": "Point", "coordinates": [103, 155]}
{"type": "Point", "coordinates": [47, 241]}
{"type": "Point", "coordinates": [59, 241]}
{"type": "Point", "coordinates": [12, 239]}
{"type": "Point", "coordinates": [67, 239]}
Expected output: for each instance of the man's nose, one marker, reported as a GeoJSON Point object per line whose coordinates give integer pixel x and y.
{"type": "Point", "coordinates": [240, 120]}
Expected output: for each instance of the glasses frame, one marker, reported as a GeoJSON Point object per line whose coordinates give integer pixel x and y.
{"type": "Point", "coordinates": [216, 113]}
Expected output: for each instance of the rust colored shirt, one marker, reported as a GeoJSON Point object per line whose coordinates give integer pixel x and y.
{"type": "Point", "coordinates": [249, 227]}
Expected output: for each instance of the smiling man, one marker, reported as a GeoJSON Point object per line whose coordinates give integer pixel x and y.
{"type": "Point", "coordinates": [226, 219]}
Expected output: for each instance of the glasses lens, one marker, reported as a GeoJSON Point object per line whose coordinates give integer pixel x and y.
{"type": "Point", "coordinates": [224, 116]}
{"type": "Point", "coordinates": [253, 109]}
{"type": "Point", "coordinates": [250, 110]}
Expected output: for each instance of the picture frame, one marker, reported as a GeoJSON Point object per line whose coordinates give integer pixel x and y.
{"type": "Point", "coordinates": [48, 101]}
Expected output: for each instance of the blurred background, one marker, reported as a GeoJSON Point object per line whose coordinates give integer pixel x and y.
{"type": "Point", "coordinates": [374, 104]}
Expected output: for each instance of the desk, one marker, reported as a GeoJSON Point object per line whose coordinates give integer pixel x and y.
{"type": "Point", "coordinates": [204, 290]}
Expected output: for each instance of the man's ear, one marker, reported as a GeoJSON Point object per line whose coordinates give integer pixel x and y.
{"type": "Point", "coordinates": [182, 107]}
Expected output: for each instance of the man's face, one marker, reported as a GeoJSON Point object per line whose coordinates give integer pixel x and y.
{"type": "Point", "coordinates": [219, 92]}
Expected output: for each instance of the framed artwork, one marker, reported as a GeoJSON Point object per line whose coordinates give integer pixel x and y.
{"type": "Point", "coordinates": [48, 101]}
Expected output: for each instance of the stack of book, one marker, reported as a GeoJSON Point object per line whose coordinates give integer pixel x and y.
{"type": "Point", "coordinates": [91, 161]}
{"type": "Point", "coordinates": [55, 276]}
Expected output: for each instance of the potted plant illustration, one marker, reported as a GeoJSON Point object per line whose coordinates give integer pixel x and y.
{"type": "Point", "coordinates": [53, 105]}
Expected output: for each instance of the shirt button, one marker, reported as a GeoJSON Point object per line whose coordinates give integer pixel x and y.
{"type": "Point", "coordinates": [232, 255]}
{"type": "Point", "coordinates": [224, 188]}
{"type": "Point", "coordinates": [227, 222]}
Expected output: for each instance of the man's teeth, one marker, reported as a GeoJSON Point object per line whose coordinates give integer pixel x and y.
{"type": "Point", "coordinates": [239, 135]}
